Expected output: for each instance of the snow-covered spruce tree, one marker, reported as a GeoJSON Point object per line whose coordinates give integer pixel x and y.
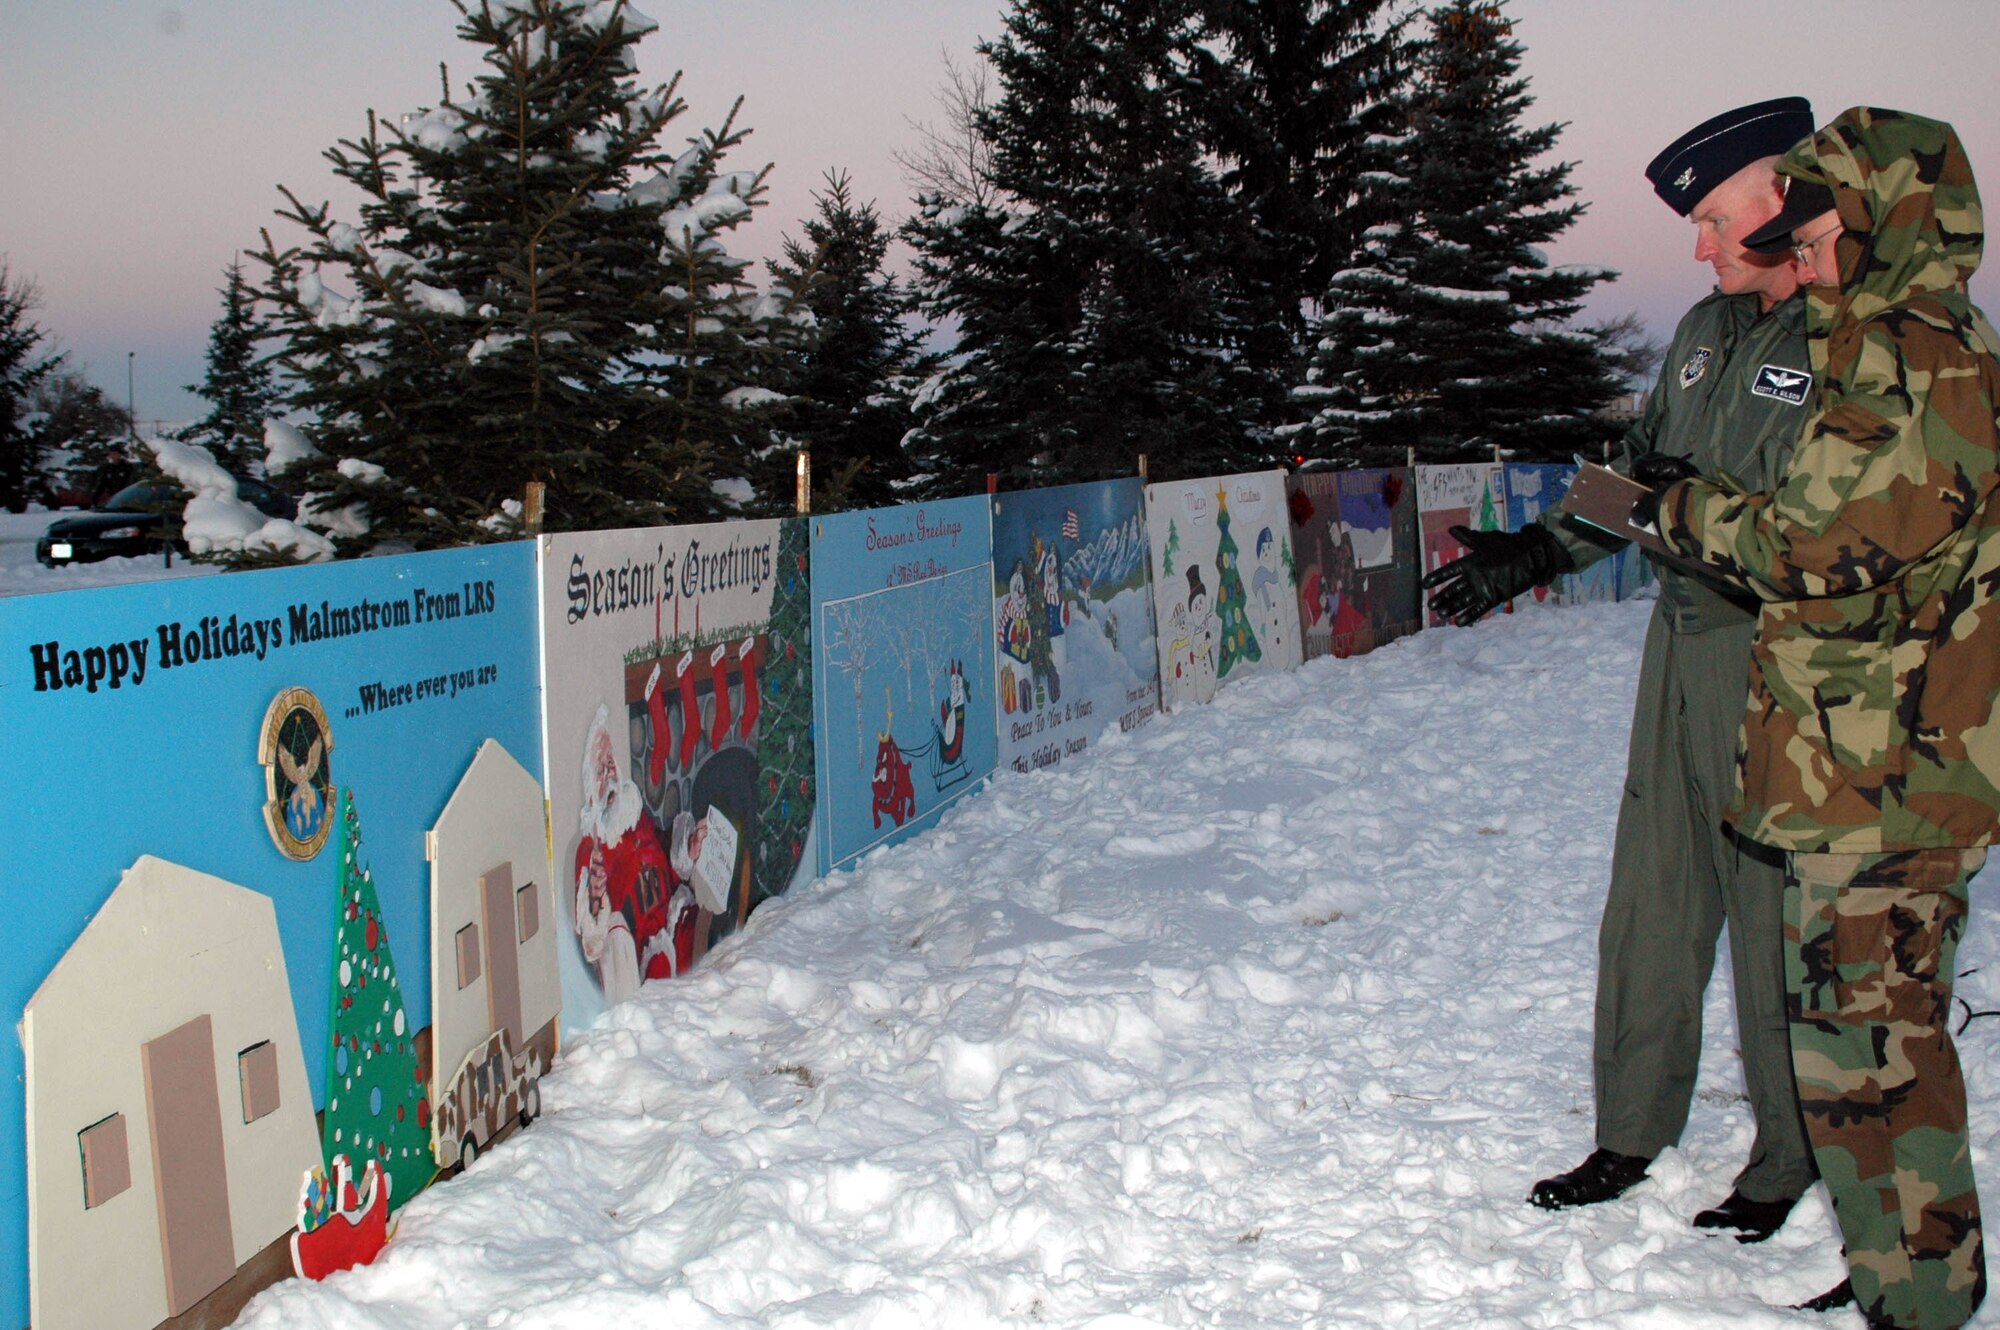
{"type": "Point", "coordinates": [535, 289]}
{"type": "Point", "coordinates": [1300, 101]}
{"type": "Point", "coordinates": [1450, 333]}
{"type": "Point", "coordinates": [238, 384]}
{"type": "Point", "coordinates": [1094, 297]}
{"type": "Point", "coordinates": [861, 364]}
{"type": "Point", "coordinates": [25, 361]}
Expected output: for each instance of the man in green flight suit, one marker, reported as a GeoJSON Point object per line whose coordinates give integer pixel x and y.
{"type": "Point", "coordinates": [1730, 402]}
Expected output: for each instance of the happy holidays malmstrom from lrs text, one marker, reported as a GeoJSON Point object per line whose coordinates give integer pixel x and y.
{"type": "Point", "coordinates": [129, 662]}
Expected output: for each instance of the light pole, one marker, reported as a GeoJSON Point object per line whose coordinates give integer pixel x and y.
{"type": "Point", "coordinates": [132, 413]}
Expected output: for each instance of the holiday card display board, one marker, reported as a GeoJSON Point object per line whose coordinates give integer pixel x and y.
{"type": "Point", "coordinates": [1468, 494]}
{"type": "Point", "coordinates": [1072, 619]}
{"type": "Point", "coordinates": [1354, 535]}
{"type": "Point", "coordinates": [902, 669]}
{"type": "Point", "coordinates": [1632, 571]}
{"type": "Point", "coordinates": [221, 720]}
{"type": "Point", "coordinates": [1600, 581]}
{"type": "Point", "coordinates": [680, 760]}
{"type": "Point", "coordinates": [1532, 489]}
{"type": "Point", "coordinates": [1225, 587]}
{"type": "Point", "coordinates": [1535, 487]}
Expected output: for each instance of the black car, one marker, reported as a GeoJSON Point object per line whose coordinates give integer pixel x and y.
{"type": "Point", "coordinates": [141, 519]}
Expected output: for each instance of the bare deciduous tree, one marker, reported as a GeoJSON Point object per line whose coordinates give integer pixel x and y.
{"type": "Point", "coordinates": [855, 640]}
{"type": "Point", "coordinates": [1634, 354]}
{"type": "Point", "coordinates": [952, 159]}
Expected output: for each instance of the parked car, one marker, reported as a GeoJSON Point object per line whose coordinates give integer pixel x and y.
{"type": "Point", "coordinates": [142, 518]}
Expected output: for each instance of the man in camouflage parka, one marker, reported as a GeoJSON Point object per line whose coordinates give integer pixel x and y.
{"type": "Point", "coordinates": [1869, 752]}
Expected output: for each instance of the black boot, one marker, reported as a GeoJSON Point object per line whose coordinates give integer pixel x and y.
{"type": "Point", "coordinates": [1599, 1178]}
{"type": "Point", "coordinates": [1753, 1221]}
{"type": "Point", "coordinates": [1840, 1295]}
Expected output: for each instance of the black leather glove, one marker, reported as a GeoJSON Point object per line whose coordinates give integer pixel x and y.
{"type": "Point", "coordinates": [1656, 469]}
{"type": "Point", "coordinates": [1646, 510]}
{"type": "Point", "coordinates": [1497, 566]}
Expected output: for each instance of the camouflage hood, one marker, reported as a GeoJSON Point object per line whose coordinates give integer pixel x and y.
{"type": "Point", "coordinates": [1874, 716]}
{"type": "Point", "coordinates": [1905, 192]}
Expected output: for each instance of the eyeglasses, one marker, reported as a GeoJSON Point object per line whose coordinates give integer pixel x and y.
{"type": "Point", "coordinates": [1802, 251]}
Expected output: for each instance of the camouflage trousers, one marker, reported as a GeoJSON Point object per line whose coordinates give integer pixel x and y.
{"type": "Point", "coordinates": [1871, 942]}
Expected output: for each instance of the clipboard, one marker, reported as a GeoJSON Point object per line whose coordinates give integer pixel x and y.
{"type": "Point", "coordinates": [1603, 498]}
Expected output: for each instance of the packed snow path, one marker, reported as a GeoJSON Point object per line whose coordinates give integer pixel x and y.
{"type": "Point", "coordinates": [1266, 1015]}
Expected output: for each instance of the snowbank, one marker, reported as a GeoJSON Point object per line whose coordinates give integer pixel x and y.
{"type": "Point", "coordinates": [1264, 1015]}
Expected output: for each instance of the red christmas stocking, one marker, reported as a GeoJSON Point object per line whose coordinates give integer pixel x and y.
{"type": "Point", "coordinates": [719, 727]}
{"type": "Point", "coordinates": [752, 698]}
{"type": "Point", "coordinates": [690, 712]}
{"type": "Point", "coordinates": [656, 709]}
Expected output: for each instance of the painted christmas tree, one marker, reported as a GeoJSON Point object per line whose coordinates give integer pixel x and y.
{"type": "Point", "coordinates": [1489, 515]}
{"type": "Point", "coordinates": [785, 741]}
{"type": "Point", "coordinates": [375, 1105]}
{"type": "Point", "coordinates": [1239, 643]}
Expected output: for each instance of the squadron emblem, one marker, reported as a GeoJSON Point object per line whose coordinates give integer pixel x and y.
{"type": "Point", "coordinates": [296, 748]}
{"type": "Point", "coordinates": [1697, 365]}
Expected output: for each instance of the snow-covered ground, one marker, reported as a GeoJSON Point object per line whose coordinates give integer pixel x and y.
{"type": "Point", "coordinates": [21, 575]}
{"type": "Point", "coordinates": [1264, 1015]}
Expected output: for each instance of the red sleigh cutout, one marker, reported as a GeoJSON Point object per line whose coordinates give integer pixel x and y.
{"type": "Point", "coordinates": [329, 1238]}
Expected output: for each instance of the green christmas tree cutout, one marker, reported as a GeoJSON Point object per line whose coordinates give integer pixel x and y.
{"type": "Point", "coordinates": [375, 1105]}
{"type": "Point", "coordinates": [1489, 516]}
{"type": "Point", "coordinates": [785, 734]}
{"type": "Point", "coordinates": [1239, 642]}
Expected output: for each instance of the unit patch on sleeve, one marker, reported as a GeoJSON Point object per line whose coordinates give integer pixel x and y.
{"type": "Point", "coordinates": [1787, 385]}
{"type": "Point", "coordinates": [1697, 365]}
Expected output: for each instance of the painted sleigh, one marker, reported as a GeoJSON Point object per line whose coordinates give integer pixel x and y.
{"type": "Point", "coordinates": [340, 1226]}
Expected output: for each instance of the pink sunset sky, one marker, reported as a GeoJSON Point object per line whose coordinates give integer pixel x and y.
{"type": "Point", "coordinates": [144, 142]}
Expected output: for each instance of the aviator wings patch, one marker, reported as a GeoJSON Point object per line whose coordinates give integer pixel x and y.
{"type": "Point", "coordinates": [1786, 385]}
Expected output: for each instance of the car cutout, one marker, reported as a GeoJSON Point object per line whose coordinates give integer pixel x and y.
{"type": "Point", "coordinates": [492, 1086]}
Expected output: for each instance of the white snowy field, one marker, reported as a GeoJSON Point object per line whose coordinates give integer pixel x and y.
{"type": "Point", "coordinates": [1264, 1015]}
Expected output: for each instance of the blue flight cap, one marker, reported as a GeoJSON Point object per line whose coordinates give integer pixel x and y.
{"type": "Point", "coordinates": [1717, 149]}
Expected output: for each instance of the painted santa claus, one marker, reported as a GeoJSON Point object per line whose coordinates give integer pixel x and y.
{"type": "Point", "coordinates": [618, 852]}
